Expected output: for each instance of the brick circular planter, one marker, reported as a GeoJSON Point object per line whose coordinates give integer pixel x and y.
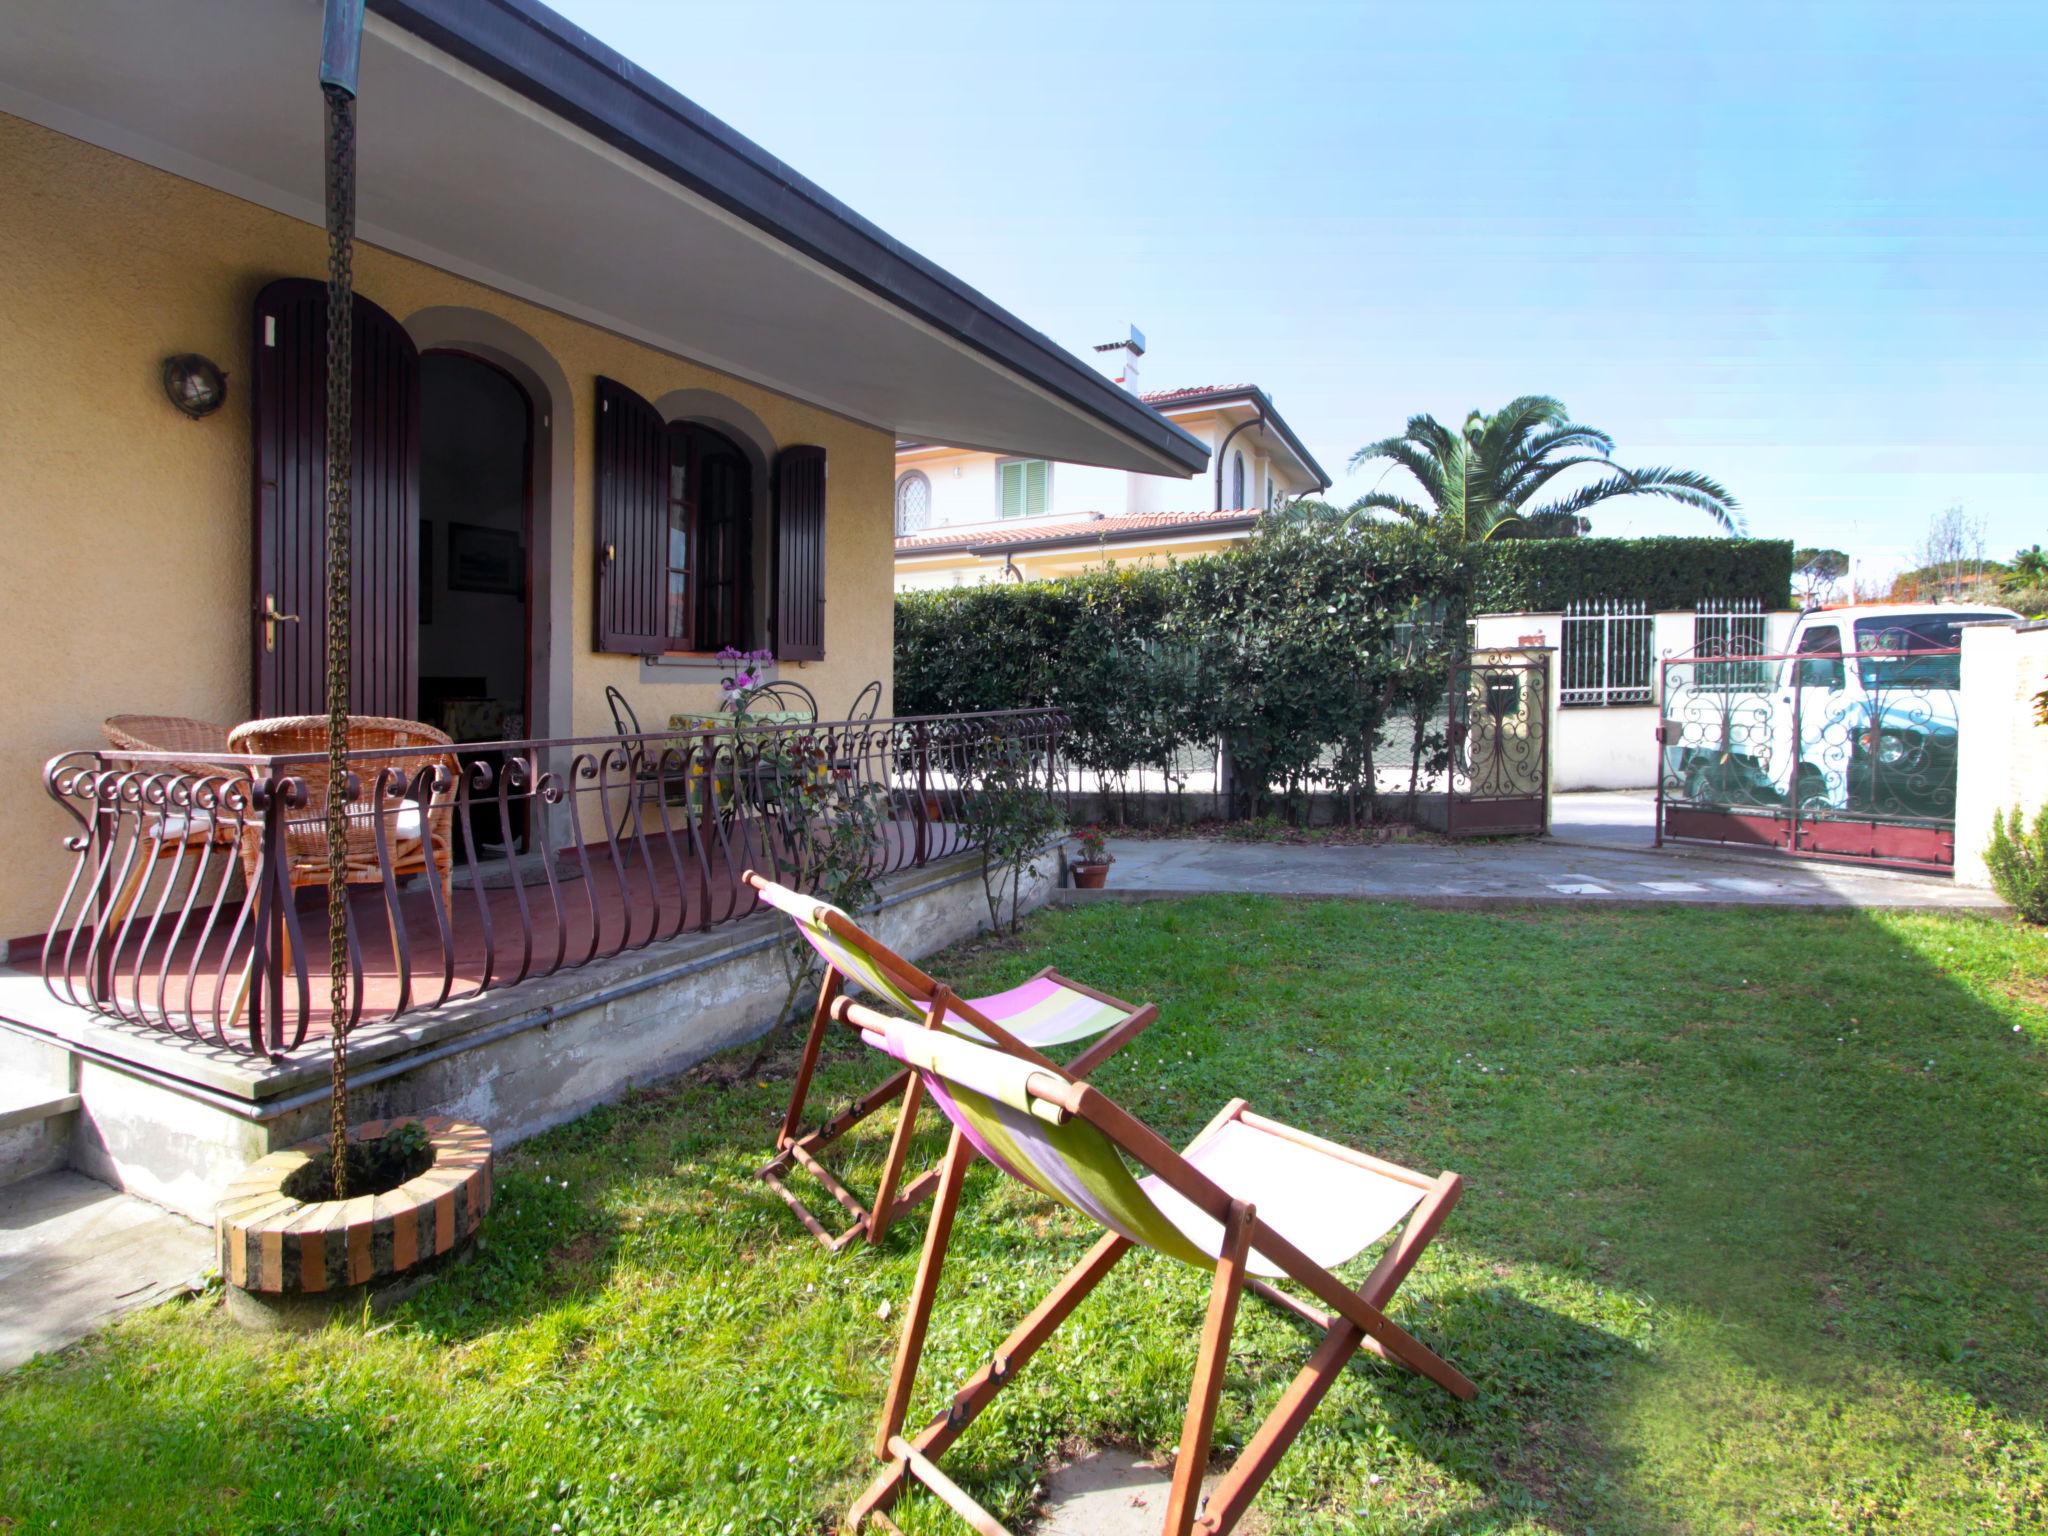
{"type": "Point", "coordinates": [294, 1262]}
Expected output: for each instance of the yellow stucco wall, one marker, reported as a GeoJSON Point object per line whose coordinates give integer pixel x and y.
{"type": "Point", "coordinates": [124, 528]}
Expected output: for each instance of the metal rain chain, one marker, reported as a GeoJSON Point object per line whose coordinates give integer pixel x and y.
{"type": "Point", "coordinates": [341, 46]}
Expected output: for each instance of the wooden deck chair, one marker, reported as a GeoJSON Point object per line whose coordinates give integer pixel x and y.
{"type": "Point", "coordinates": [1251, 1200]}
{"type": "Point", "coordinates": [1046, 1012]}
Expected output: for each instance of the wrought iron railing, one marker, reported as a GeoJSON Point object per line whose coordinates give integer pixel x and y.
{"type": "Point", "coordinates": [197, 893]}
{"type": "Point", "coordinates": [1605, 653]}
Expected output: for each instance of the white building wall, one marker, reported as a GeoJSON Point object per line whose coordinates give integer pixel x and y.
{"type": "Point", "coordinates": [2002, 754]}
{"type": "Point", "coordinates": [964, 484]}
{"type": "Point", "coordinates": [1608, 746]}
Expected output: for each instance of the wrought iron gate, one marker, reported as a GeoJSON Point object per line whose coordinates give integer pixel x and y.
{"type": "Point", "coordinates": [1829, 753]}
{"type": "Point", "coordinates": [1500, 744]}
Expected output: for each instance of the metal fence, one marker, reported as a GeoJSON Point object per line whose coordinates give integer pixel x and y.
{"type": "Point", "coordinates": [1605, 654]}
{"type": "Point", "coordinates": [1733, 629]}
{"type": "Point", "coordinates": [192, 905]}
{"type": "Point", "coordinates": [1848, 755]}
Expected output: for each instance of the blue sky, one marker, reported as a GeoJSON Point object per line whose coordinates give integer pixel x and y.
{"type": "Point", "coordinates": [1800, 247]}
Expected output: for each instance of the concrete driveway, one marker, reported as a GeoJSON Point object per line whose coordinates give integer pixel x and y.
{"type": "Point", "coordinates": [1601, 856]}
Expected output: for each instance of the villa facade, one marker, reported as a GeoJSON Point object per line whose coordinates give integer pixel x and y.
{"type": "Point", "coordinates": [967, 516]}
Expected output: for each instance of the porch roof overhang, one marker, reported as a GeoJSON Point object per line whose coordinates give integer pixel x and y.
{"type": "Point", "coordinates": [498, 141]}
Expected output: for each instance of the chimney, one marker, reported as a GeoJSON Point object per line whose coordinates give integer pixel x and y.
{"type": "Point", "coordinates": [1121, 358]}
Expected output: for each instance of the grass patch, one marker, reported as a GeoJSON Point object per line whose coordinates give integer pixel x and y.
{"type": "Point", "coordinates": [1752, 1242]}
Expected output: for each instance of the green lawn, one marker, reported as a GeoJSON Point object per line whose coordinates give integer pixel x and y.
{"type": "Point", "coordinates": [1752, 1242]}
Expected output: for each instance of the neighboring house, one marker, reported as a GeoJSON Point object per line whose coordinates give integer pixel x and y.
{"type": "Point", "coordinates": [628, 391]}
{"type": "Point", "coordinates": [965, 516]}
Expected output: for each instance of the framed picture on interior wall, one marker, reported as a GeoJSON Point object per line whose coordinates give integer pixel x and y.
{"type": "Point", "coordinates": [485, 560]}
{"type": "Point", "coordinates": [426, 572]}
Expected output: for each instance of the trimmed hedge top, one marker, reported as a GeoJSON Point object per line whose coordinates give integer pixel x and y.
{"type": "Point", "coordinates": [1544, 575]}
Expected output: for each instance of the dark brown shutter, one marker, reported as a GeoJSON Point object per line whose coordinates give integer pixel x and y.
{"type": "Point", "coordinates": [289, 415]}
{"type": "Point", "coordinates": [800, 554]}
{"type": "Point", "coordinates": [632, 523]}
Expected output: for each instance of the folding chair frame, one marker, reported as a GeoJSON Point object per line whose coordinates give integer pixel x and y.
{"type": "Point", "coordinates": [1357, 1320]}
{"type": "Point", "coordinates": [892, 1198]}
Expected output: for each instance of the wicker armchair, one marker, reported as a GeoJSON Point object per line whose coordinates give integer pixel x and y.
{"type": "Point", "coordinates": [168, 733]}
{"type": "Point", "coordinates": [167, 833]}
{"type": "Point", "coordinates": [417, 837]}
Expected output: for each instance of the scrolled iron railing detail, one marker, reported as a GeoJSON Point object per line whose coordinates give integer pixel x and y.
{"type": "Point", "coordinates": [529, 859]}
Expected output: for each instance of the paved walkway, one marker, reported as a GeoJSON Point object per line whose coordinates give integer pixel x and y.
{"type": "Point", "coordinates": [1511, 873]}
{"type": "Point", "coordinates": [1618, 818]}
{"type": "Point", "coordinates": [75, 1254]}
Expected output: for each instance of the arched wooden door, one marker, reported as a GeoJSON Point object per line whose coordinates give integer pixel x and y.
{"type": "Point", "coordinates": [290, 543]}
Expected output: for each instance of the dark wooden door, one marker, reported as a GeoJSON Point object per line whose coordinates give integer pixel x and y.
{"type": "Point", "coordinates": [290, 544]}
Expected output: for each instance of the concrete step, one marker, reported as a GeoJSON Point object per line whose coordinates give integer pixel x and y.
{"type": "Point", "coordinates": [35, 1134]}
{"type": "Point", "coordinates": [38, 1105]}
{"type": "Point", "coordinates": [75, 1254]}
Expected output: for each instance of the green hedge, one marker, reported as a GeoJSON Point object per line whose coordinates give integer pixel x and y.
{"type": "Point", "coordinates": [1295, 649]}
{"type": "Point", "coordinates": [1543, 575]}
{"type": "Point", "coordinates": [1289, 647]}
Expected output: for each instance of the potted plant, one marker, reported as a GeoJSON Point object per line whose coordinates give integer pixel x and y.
{"type": "Point", "coordinates": [1092, 858]}
{"type": "Point", "coordinates": [749, 670]}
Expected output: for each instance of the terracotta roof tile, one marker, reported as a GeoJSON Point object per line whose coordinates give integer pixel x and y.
{"type": "Point", "coordinates": [1100, 525]}
{"type": "Point", "coordinates": [1193, 392]}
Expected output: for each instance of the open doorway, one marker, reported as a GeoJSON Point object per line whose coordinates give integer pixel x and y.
{"type": "Point", "coordinates": [476, 458]}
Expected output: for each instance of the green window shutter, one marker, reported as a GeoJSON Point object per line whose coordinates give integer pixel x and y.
{"type": "Point", "coordinates": [1036, 474]}
{"type": "Point", "coordinates": [1023, 487]}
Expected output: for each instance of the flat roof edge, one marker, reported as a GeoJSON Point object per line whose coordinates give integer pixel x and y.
{"type": "Point", "coordinates": [529, 49]}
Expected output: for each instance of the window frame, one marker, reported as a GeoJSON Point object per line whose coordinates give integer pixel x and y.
{"type": "Point", "coordinates": [904, 482]}
{"type": "Point", "coordinates": [690, 439]}
{"type": "Point", "coordinates": [1237, 479]}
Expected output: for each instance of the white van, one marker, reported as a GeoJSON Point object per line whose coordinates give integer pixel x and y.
{"type": "Point", "coordinates": [1859, 717]}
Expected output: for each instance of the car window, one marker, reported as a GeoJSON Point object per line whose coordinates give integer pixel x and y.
{"type": "Point", "coordinates": [1820, 658]}
{"type": "Point", "coordinates": [1914, 650]}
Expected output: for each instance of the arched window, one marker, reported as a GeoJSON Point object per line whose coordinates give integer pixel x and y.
{"type": "Point", "coordinates": [1237, 480]}
{"type": "Point", "coordinates": [1269, 493]}
{"type": "Point", "coordinates": [913, 503]}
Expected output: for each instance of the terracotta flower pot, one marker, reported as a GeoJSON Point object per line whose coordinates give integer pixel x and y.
{"type": "Point", "coordinates": [294, 1263]}
{"type": "Point", "coordinates": [1089, 877]}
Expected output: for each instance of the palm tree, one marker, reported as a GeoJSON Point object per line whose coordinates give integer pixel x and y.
{"type": "Point", "coordinates": [1482, 483]}
{"type": "Point", "coordinates": [2028, 568]}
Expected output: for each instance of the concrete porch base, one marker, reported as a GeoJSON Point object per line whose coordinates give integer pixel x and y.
{"type": "Point", "coordinates": [173, 1120]}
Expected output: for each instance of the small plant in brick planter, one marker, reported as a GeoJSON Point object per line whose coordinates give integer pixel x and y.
{"type": "Point", "coordinates": [1092, 858]}
{"type": "Point", "coordinates": [291, 1256]}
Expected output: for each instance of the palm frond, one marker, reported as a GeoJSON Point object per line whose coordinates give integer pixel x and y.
{"type": "Point", "coordinates": [1683, 486]}
{"type": "Point", "coordinates": [1533, 477]}
{"type": "Point", "coordinates": [1427, 470]}
{"type": "Point", "coordinates": [1509, 426]}
{"type": "Point", "coordinates": [1386, 501]}
{"type": "Point", "coordinates": [1569, 434]}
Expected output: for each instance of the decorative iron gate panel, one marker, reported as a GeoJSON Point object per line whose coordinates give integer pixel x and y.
{"type": "Point", "coordinates": [1500, 744]}
{"type": "Point", "coordinates": [1830, 753]}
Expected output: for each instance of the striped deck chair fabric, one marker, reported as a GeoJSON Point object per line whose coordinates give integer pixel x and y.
{"type": "Point", "coordinates": [1045, 1013]}
{"type": "Point", "coordinates": [1249, 1199]}
{"type": "Point", "coordinates": [1330, 1210]}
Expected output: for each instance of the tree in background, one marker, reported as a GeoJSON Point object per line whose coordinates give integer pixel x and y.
{"type": "Point", "coordinates": [1485, 481]}
{"type": "Point", "coordinates": [1817, 575]}
{"type": "Point", "coordinates": [1949, 565]}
